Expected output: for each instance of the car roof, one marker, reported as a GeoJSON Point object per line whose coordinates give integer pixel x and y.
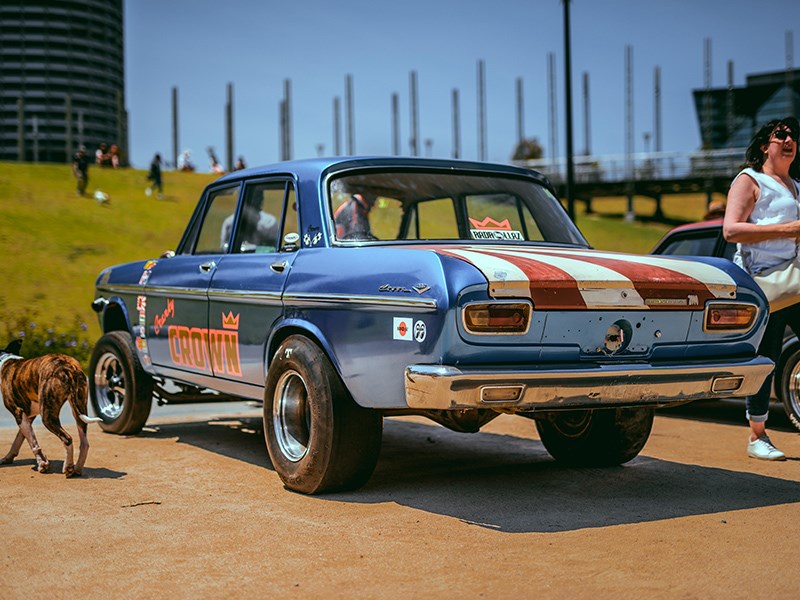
{"type": "Point", "coordinates": [710, 224]}
{"type": "Point", "coordinates": [315, 168]}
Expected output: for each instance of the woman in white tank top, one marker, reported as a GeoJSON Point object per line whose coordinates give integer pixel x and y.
{"type": "Point", "coordinates": [763, 217]}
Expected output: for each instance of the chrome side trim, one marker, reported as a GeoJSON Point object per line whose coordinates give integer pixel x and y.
{"type": "Point", "coordinates": [176, 292]}
{"type": "Point", "coordinates": [349, 301]}
{"type": "Point", "coordinates": [443, 387]}
{"type": "Point", "coordinates": [297, 300]}
{"type": "Point", "coordinates": [121, 289]}
{"type": "Point", "coordinates": [240, 297]}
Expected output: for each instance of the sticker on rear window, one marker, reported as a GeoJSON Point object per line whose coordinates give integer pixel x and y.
{"type": "Point", "coordinates": [490, 229]}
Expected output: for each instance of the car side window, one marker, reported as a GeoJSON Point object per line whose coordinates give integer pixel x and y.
{"type": "Point", "coordinates": [259, 220]}
{"type": "Point", "coordinates": [215, 231]}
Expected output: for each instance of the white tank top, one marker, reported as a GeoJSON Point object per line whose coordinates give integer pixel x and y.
{"type": "Point", "coordinates": [775, 204]}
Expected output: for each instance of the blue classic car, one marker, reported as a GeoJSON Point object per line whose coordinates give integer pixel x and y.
{"type": "Point", "coordinates": [340, 291]}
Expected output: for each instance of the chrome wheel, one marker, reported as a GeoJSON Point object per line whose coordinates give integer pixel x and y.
{"type": "Point", "coordinates": [291, 416]}
{"type": "Point", "coordinates": [109, 386]}
{"type": "Point", "coordinates": [793, 391]}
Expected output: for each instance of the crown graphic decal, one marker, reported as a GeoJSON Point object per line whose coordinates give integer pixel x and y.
{"type": "Point", "coordinates": [230, 321]}
{"type": "Point", "coordinates": [490, 223]}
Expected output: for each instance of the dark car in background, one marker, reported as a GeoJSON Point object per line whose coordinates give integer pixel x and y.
{"type": "Point", "coordinates": [705, 239]}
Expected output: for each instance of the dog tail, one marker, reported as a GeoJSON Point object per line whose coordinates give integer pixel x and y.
{"type": "Point", "coordinates": [86, 419]}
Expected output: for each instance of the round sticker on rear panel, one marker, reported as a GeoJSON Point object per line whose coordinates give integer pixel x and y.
{"type": "Point", "coordinates": [420, 331]}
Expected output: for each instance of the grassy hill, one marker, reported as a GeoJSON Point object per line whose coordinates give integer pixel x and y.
{"type": "Point", "coordinates": [55, 242]}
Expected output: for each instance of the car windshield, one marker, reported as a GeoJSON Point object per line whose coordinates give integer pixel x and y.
{"type": "Point", "coordinates": [413, 205]}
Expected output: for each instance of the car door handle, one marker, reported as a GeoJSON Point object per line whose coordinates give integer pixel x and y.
{"type": "Point", "coordinates": [279, 267]}
{"type": "Point", "coordinates": [208, 267]}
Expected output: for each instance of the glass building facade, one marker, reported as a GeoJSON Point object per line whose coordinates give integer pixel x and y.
{"type": "Point", "coordinates": [729, 117]}
{"type": "Point", "coordinates": [62, 79]}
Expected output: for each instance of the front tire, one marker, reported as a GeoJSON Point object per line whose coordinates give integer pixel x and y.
{"type": "Point", "coordinates": [318, 439]}
{"type": "Point", "coordinates": [789, 383]}
{"type": "Point", "coordinates": [120, 391]}
{"type": "Point", "coordinates": [596, 438]}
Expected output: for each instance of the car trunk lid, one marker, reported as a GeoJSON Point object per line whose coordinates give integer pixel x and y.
{"type": "Point", "coordinates": [563, 278]}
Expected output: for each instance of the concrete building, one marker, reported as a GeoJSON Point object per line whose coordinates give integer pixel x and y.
{"type": "Point", "coordinates": [62, 78]}
{"type": "Point", "coordinates": [729, 117]}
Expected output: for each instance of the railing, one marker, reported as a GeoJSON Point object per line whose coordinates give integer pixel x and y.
{"type": "Point", "coordinates": [645, 166]}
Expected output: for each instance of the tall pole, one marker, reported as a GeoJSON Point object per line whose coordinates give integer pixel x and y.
{"type": "Point", "coordinates": [348, 100]}
{"type": "Point", "coordinates": [730, 112]}
{"type": "Point", "coordinates": [552, 112]}
{"type": "Point", "coordinates": [568, 107]}
{"type": "Point", "coordinates": [707, 131]}
{"type": "Point", "coordinates": [395, 124]}
{"type": "Point", "coordinates": [175, 127]}
{"type": "Point", "coordinates": [657, 109]}
{"type": "Point", "coordinates": [520, 113]}
{"type": "Point", "coordinates": [414, 141]}
{"type": "Point", "coordinates": [282, 119]}
{"type": "Point", "coordinates": [481, 111]}
{"type": "Point", "coordinates": [587, 117]}
{"type": "Point", "coordinates": [630, 215]}
{"type": "Point", "coordinates": [337, 127]}
{"type": "Point", "coordinates": [287, 118]}
{"type": "Point", "coordinates": [790, 71]}
{"type": "Point", "coordinates": [456, 126]}
{"type": "Point", "coordinates": [229, 129]}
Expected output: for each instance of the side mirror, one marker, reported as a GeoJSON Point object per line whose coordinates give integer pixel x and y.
{"type": "Point", "coordinates": [167, 254]}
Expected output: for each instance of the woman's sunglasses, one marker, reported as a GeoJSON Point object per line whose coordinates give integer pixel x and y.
{"type": "Point", "coordinates": [782, 134]}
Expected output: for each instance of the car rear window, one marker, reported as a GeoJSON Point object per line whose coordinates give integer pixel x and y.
{"type": "Point", "coordinates": [413, 205]}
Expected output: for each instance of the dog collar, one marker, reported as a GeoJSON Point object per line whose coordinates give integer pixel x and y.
{"type": "Point", "coordinates": [6, 357]}
{"type": "Point", "coordinates": [3, 359]}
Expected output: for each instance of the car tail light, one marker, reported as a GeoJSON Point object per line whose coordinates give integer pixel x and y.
{"type": "Point", "coordinates": [497, 318]}
{"type": "Point", "coordinates": [726, 317]}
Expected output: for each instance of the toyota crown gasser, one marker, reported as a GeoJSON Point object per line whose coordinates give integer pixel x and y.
{"type": "Point", "coordinates": [340, 291]}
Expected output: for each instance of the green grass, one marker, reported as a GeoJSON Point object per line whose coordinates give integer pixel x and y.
{"type": "Point", "coordinates": [54, 242]}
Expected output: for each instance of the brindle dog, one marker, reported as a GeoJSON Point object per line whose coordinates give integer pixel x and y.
{"type": "Point", "coordinates": [41, 385]}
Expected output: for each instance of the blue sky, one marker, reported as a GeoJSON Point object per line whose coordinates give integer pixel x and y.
{"type": "Point", "coordinates": [201, 45]}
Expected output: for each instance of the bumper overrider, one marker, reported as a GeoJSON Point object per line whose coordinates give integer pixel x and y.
{"type": "Point", "coordinates": [445, 387]}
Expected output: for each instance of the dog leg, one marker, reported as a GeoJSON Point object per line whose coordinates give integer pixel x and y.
{"type": "Point", "coordinates": [15, 446]}
{"type": "Point", "coordinates": [51, 420]}
{"type": "Point", "coordinates": [78, 403]}
{"type": "Point", "coordinates": [26, 426]}
{"type": "Point", "coordinates": [83, 449]}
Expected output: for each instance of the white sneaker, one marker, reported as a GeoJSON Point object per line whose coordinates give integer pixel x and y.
{"type": "Point", "coordinates": [762, 448]}
{"type": "Point", "coordinates": [148, 192]}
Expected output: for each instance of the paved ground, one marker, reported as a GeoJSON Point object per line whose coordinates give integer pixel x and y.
{"type": "Point", "coordinates": [191, 508]}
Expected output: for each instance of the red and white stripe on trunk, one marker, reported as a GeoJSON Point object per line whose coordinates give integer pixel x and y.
{"type": "Point", "coordinates": [555, 278]}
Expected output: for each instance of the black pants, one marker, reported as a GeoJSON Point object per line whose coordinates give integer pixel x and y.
{"type": "Point", "coordinates": [771, 346]}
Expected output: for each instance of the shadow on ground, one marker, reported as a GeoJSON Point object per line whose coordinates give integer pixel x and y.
{"type": "Point", "coordinates": [509, 483]}
{"type": "Point", "coordinates": [728, 412]}
{"type": "Point", "coordinates": [57, 466]}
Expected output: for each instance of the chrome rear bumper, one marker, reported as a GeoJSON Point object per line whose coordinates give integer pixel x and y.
{"type": "Point", "coordinates": [444, 387]}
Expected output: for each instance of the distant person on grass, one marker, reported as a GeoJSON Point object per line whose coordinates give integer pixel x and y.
{"type": "Point", "coordinates": [80, 169]}
{"type": "Point", "coordinates": [154, 176]}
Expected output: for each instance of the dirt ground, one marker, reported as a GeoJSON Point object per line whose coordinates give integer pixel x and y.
{"type": "Point", "coordinates": [193, 509]}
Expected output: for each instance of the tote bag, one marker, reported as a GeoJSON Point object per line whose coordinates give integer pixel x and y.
{"type": "Point", "coordinates": [781, 284]}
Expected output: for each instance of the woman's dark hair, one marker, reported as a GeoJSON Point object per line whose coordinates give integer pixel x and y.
{"type": "Point", "coordinates": [754, 156]}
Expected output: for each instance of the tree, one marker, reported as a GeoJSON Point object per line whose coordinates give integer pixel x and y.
{"type": "Point", "coordinates": [528, 149]}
